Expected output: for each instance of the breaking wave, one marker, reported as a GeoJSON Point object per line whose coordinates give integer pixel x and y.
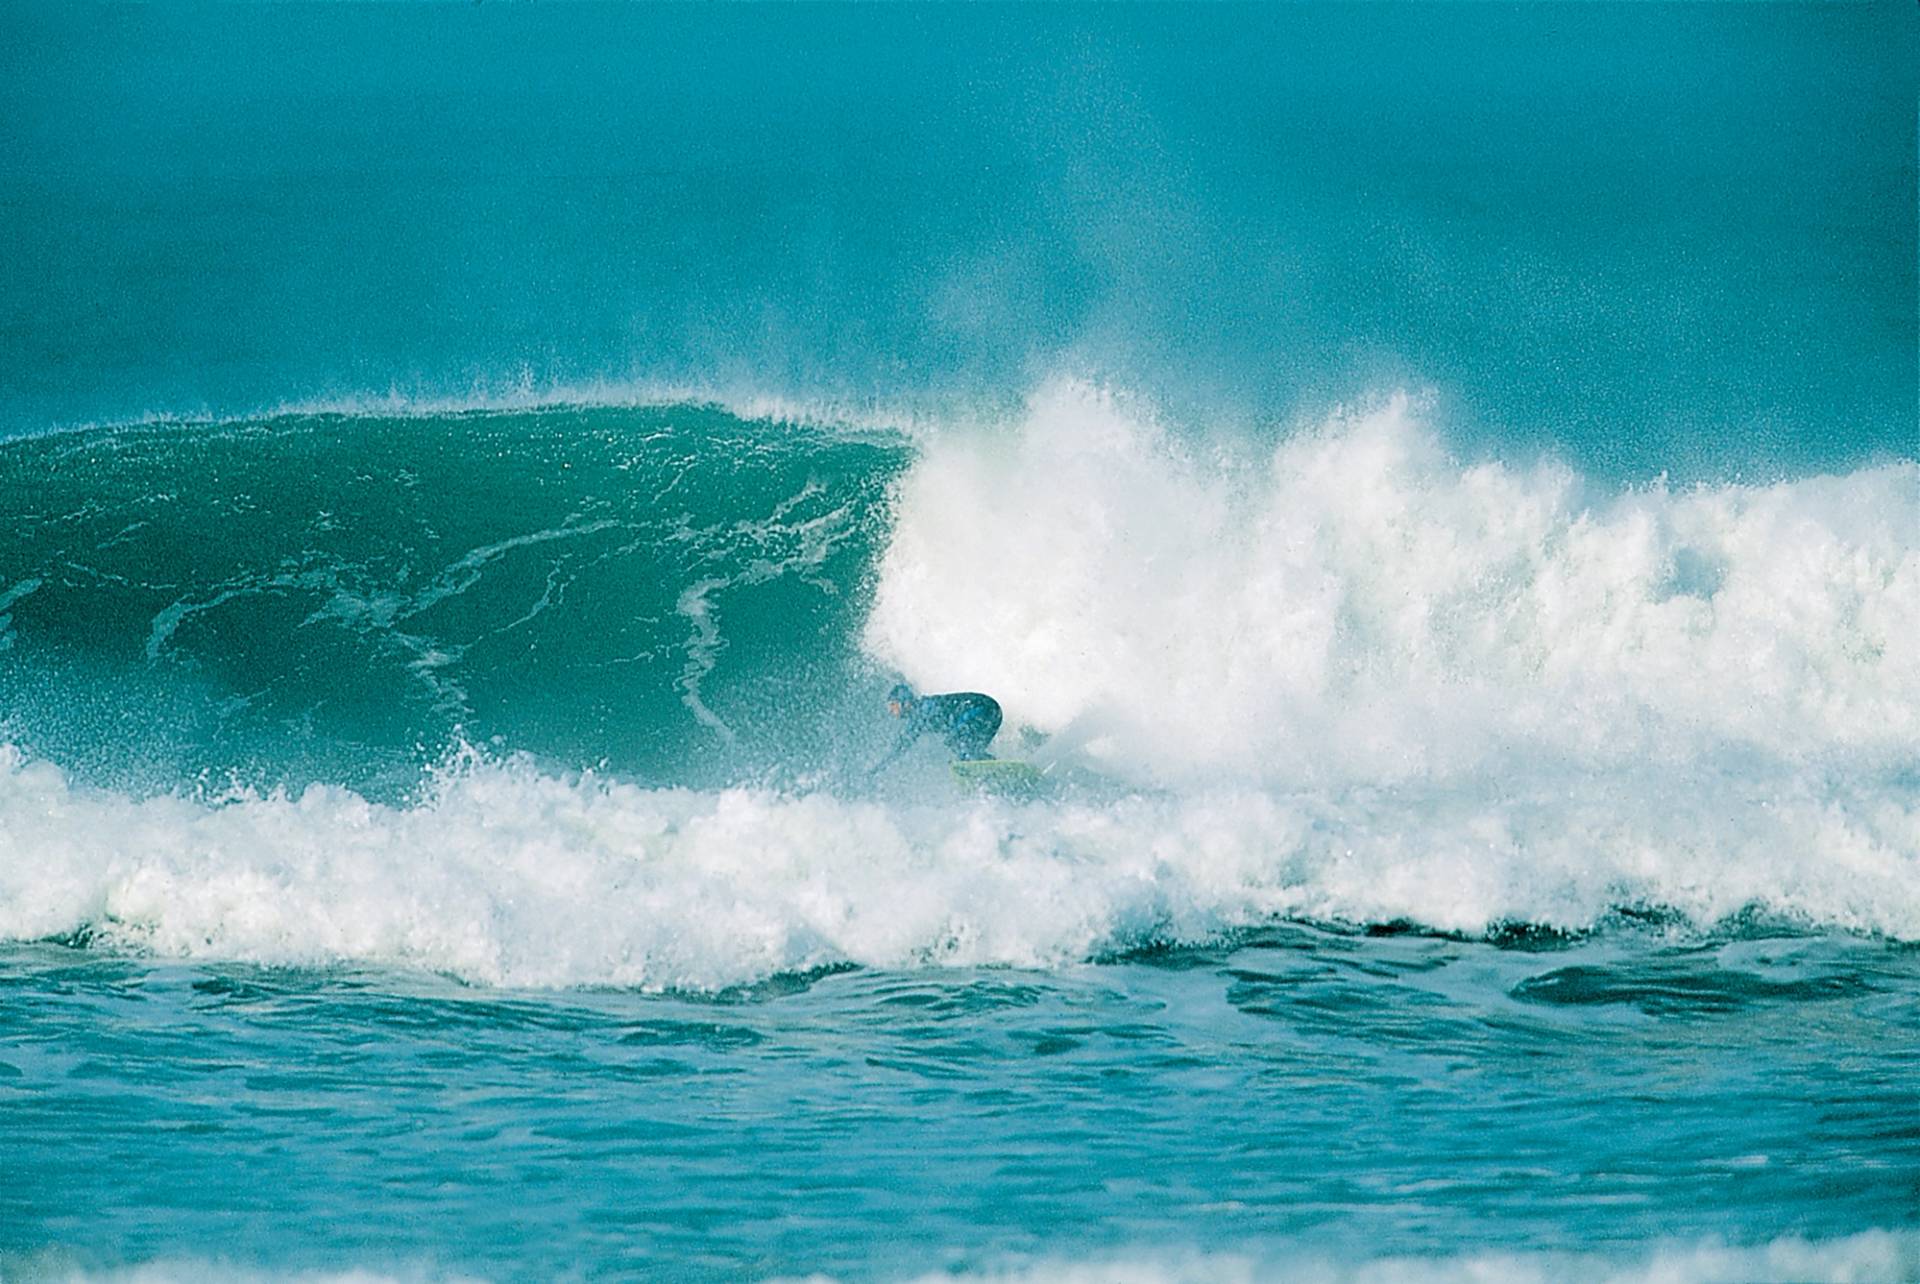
{"type": "Point", "coordinates": [1339, 675]}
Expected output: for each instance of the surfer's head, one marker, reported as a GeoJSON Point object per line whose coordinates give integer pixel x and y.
{"type": "Point", "coordinates": [900, 699]}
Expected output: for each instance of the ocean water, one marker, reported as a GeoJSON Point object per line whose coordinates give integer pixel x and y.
{"type": "Point", "coordinates": [1436, 489]}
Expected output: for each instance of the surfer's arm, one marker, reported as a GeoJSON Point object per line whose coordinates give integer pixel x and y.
{"type": "Point", "coordinates": [907, 736]}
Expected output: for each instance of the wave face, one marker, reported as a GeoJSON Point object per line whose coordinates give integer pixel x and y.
{"type": "Point", "coordinates": [619, 671]}
{"type": "Point", "coordinates": [343, 597]}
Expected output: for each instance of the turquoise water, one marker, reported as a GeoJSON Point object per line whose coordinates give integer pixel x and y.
{"type": "Point", "coordinates": [1436, 489]}
{"type": "Point", "coordinates": [1300, 1097]}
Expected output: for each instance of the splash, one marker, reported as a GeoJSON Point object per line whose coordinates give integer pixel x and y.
{"type": "Point", "coordinates": [1358, 605]}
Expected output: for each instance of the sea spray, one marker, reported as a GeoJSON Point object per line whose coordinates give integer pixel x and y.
{"type": "Point", "coordinates": [1361, 606]}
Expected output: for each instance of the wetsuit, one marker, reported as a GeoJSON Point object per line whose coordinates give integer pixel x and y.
{"type": "Point", "coordinates": [966, 720]}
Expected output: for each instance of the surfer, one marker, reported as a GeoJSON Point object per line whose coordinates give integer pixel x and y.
{"type": "Point", "coordinates": [966, 720]}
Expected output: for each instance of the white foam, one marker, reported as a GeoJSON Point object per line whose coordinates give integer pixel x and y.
{"type": "Point", "coordinates": [507, 875]}
{"type": "Point", "coordinates": [1868, 1258]}
{"type": "Point", "coordinates": [1357, 605]}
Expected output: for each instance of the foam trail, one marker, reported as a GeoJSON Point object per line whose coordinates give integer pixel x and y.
{"type": "Point", "coordinates": [9, 596]}
{"type": "Point", "coordinates": [1360, 606]}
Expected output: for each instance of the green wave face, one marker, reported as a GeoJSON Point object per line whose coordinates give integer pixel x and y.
{"type": "Point", "coordinates": [672, 592]}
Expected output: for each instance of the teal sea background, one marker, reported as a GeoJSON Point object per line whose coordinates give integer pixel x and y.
{"type": "Point", "coordinates": [1436, 488]}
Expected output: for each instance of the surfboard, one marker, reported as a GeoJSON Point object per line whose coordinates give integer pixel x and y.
{"type": "Point", "coordinates": [1000, 777]}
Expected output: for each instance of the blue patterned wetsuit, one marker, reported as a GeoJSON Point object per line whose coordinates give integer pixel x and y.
{"type": "Point", "coordinates": [966, 720]}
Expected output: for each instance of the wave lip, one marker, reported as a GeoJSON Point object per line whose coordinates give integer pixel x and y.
{"type": "Point", "coordinates": [525, 396]}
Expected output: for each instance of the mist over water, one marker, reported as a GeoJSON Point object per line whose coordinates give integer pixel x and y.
{"type": "Point", "coordinates": [1678, 242]}
{"type": "Point", "coordinates": [1434, 489]}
